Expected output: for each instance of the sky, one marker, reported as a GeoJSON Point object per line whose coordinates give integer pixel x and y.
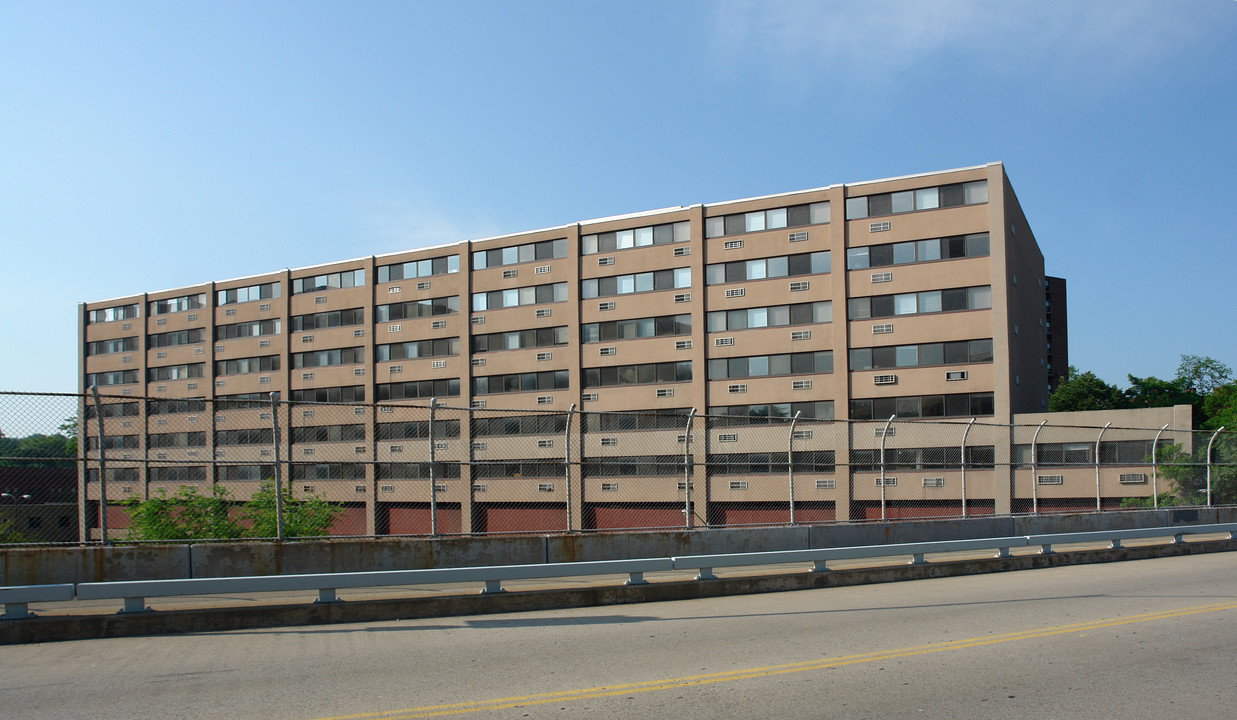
{"type": "Point", "coordinates": [152, 145]}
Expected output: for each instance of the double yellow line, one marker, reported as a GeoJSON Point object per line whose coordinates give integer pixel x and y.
{"type": "Point", "coordinates": [749, 673]}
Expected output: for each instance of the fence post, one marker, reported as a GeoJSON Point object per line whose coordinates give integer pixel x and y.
{"type": "Point", "coordinates": [567, 460]}
{"type": "Point", "coordinates": [1155, 488]}
{"type": "Point", "coordinates": [963, 461]}
{"type": "Point", "coordinates": [687, 470]}
{"type": "Point", "coordinates": [1209, 442]}
{"type": "Point", "coordinates": [278, 469]}
{"type": "Point", "coordinates": [790, 464]}
{"type": "Point", "coordinates": [1098, 504]}
{"type": "Point", "coordinates": [101, 438]}
{"type": "Point", "coordinates": [433, 475]}
{"type": "Point", "coordinates": [1035, 469]}
{"type": "Point", "coordinates": [884, 434]}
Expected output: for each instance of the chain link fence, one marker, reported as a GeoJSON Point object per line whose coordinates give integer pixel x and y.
{"type": "Point", "coordinates": [258, 467]}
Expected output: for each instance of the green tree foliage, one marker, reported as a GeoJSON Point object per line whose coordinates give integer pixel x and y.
{"type": "Point", "coordinates": [188, 515]}
{"type": "Point", "coordinates": [185, 515]}
{"type": "Point", "coordinates": [38, 451]}
{"type": "Point", "coordinates": [307, 517]}
{"type": "Point", "coordinates": [1187, 472]}
{"type": "Point", "coordinates": [1085, 391]}
{"type": "Point", "coordinates": [1203, 375]}
{"type": "Point", "coordinates": [1203, 383]}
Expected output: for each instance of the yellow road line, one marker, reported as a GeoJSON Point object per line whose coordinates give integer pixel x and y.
{"type": "Point", "coordinates": [748, 673]}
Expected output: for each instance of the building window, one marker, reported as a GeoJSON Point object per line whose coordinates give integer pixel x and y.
{"type": "Point", "coordinates": [922, 303]}
{"type": "Point", "coordinates": [643, 374]}
{"type": "Point", "coordinates": [176, 440]}
{"type": "Point", "coordinates": [634, 466]}
{"type": "Point", "coordinates": [175, 372]}
{"type": "Point", "coordinates": [328, 433]}
{"type": "Point", "coordinates": [804, 461]}
{"type": "Point", "coordinates": [416, 471]}
{"type": "Point", "coordinates": [345, 394]}
{"type": "Point", "coordinates": [242, 366]}
{"type": "Point", "coordinates": [326, 358]}
{"type": "Point", "coordinates": [675, 419]}
{"type": "Point", "coordinates": [438, 347]}
{"type": "Point", "coordinates": [121, 409]}
{"type": "Point", "coordinates": [773, 316]}
{"type": "Point", "coordinates": [192, 336]}
{"type": "Point", "coordinates": [245, 436]}
{"type": "Point", "coordinates": [177, 304]}
{"type": "Point", "coordinates": [531, 424]}
{"type": "Point", "coordinates": [777, 218]}
{"type": "Point", "coordinates": [529, 252]}
{"type": "Point", "coordinates": [419, 389]}
{"type": "Point", "coordinates": [244, 473]}
{"type": "Point", "coordinates": [671, 279]}
{"type": "Point", "coordinates": [419, 268]}
{"type": "Point", "coordinates": [113, 442]}
{"type": "Point", "coordinates": [662, 326]}
{"type": "Point", "coordinates": [916, 406]}
{"type": "Point", "coordinates": [515, 469]}
{"type": "Point", "coordinates": [116, 377]}
{"type": "Point", "coordinates": [418, 430]}
{"type": "Point", "coordinates": [775, 267]}
{"type": "Point", "coordinates": [171, 407]}
{"type": "Point", "coordinates": [112, 314]}
{"type": "Point", "coordinates": [764, 413]}
{"type": "Point", "coordinates": [918, 251]}
{"type": "Point", "coordinates": [250, 293]}
{"type": "Point", "coordinates": [418, 309]}
{"type": "Point", "coordinates": [515, 297]}
{"type": "Point", "coordinates": [257, 328]}
{"type": "Point", "coordinates": [804, 363]}
{"type": "Point", "coordinates": [665, 234]}
{"type": "Point", "coordinates": [923, 355]}
{"type": "Point", "coordinates": [107, 347]}
{"type": "Point", "coordinates": [520, 382]}
{"type": "Point", "coordinates": [328, 471]}
{"type": "Point", "coordinates": [957, 194]}
{"type": "Point", "coordinates": [335, 318]}
{"type": "Point", "coordinates": [178, 474]}
{"type": "Point", "coordinates": [520, 339]}
{"type": "Point", "coordinates": [330, 281]}
{"type": "Point", "coordinates": [923, 458]}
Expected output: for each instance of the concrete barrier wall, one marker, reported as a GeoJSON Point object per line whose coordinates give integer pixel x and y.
{"type": "Point", "coordinates": [32, 566]}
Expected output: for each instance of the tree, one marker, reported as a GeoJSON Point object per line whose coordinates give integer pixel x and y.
{"type": "Point", "coordinates": [1085, 391]}
{"type": "Point", "coordinates": [1203, 374]}
{"type": "Point", "coordinates": [188, 515]}
{"type": "Point", "coordinates": [307, 517]}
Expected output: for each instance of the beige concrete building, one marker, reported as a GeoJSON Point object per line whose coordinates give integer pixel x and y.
{"type": "Point", "coordinates": [922, 297]}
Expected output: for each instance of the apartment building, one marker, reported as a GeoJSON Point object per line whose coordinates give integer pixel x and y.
{"type": "Point", "coordinates": [921, 297]}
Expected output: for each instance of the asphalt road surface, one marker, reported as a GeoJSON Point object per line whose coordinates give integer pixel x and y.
{"type": "Point", "coordinates": [1141, 639]}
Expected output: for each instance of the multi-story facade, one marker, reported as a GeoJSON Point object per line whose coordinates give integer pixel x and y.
{"type": "Point", "coordinates": [920, 296]}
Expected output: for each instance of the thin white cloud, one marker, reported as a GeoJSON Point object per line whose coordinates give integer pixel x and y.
{"type": "Point", "coordinates": [877, 39]}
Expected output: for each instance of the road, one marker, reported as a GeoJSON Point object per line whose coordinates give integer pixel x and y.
{"type": "Point", "coordinates": [1149, 638]}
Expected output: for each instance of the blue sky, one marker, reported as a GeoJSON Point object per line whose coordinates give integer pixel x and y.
{"type": "Point", "coordinates": [292, 133]}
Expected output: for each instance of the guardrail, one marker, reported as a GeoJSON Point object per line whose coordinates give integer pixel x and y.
{"type": "Point", "coordinates": [16, 599]}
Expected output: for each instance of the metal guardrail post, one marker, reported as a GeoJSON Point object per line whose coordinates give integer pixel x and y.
{"type": "Point", "coordinates": [1035, 469]}
{"type": "Point", "coordinates": [433, 475]}
{"type": "Point", "coordinates": [1209, 443]}
{"type": "Point", "coordinates": [963, 463]}
{"type": "Point", "coordinates": [1155, 487]}
{"type": "Point", "coordinates": [278, 470]}
{"type": "Point", "coordinates": [790, 464]}
{"type": "Point", "coordinates": [567, 460]}
{"type": "Point", "coordinates": [101, 439]}
{"type": "Point", "coordinates": [687, 470]}
{"type": "Point", "coordinates": [1098, 504]}
{"type": "Point", "coordinates": [884, 434]}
